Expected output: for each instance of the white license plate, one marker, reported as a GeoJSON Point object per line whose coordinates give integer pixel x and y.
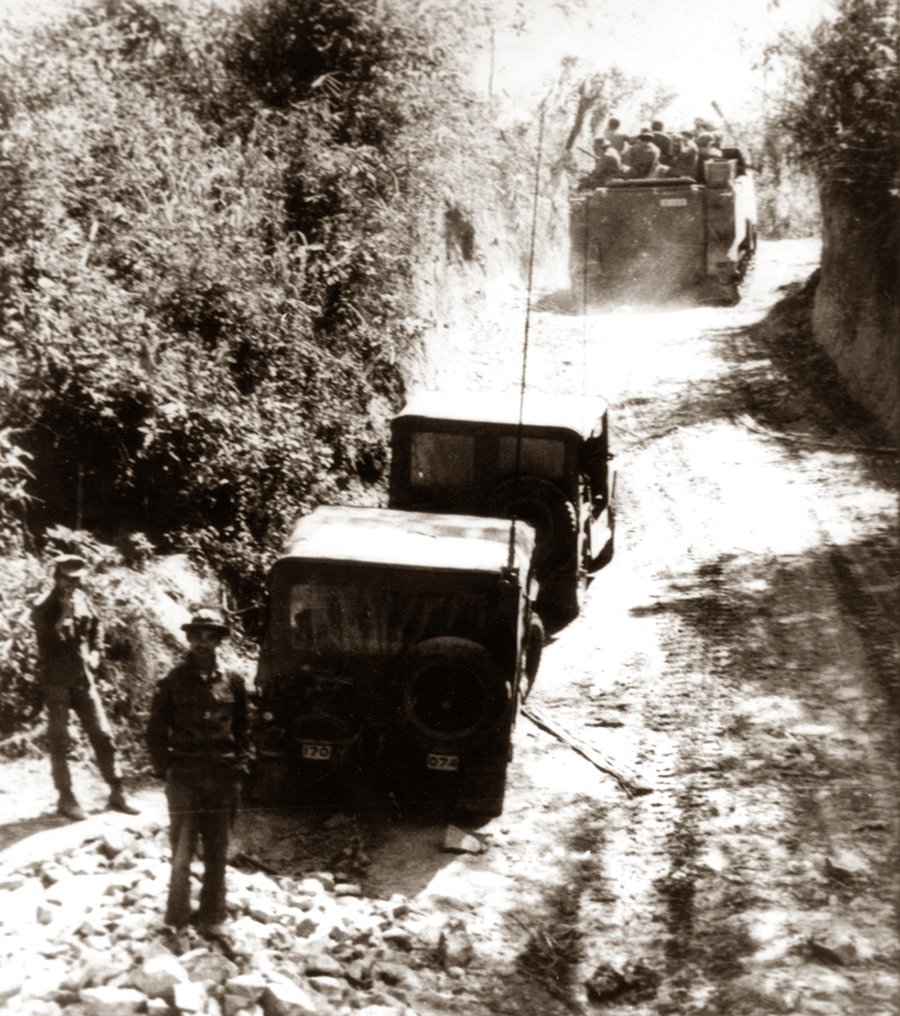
{"type": "Point", "coordinates": [317, 752]}
{"type": "Point", "coordinates": [673, 202]}
{"type": "Point", "coordinates": [445, 763]}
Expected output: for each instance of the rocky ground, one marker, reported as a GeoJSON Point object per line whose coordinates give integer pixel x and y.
{"type": "Point", "coordinates": [740, 655]}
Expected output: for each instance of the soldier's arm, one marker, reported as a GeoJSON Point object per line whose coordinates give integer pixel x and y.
{"type": "Point", "coordinates": [97, 634]}
{"type": "Point", "coordinates": [44, 630]}
{"type": "Point", "coordinates": [157, 736]}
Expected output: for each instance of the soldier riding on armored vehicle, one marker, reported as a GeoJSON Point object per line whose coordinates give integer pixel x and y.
{"type": "Point", "coordinates": [400, 644]}
{"type": "Point", "coordinates": [472, 453]}
{"type": "Point", "coordinates": [656, 236]}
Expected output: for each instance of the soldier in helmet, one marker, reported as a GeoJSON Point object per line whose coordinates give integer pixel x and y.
{"type": "Point", "coordinates": [607, 166]}
{"type": "Point", "coordinates": [198, 737]}
{"type": "Point", "coordinates": [643, 156]}
{"type": "Point", "coordinates": [69, 643]}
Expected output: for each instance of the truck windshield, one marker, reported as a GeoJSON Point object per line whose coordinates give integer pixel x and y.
{"type": "Point", "coordinates": [540, 457]}
{"type": "Point", "coordinates": [442, 460]}
{"type": "Point", "coordinates": [378, 619]}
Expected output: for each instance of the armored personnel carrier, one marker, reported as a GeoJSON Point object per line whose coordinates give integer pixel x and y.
{"type": "Point", "coordinates": [656, 238]}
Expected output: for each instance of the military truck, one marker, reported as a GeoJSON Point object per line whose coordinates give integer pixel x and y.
{"type": "Point", "coordinates": [544, 459]}
{"type": "Point", "coordinates": [652, 239]}
{"type": "Point", "coordinates": [397, 644]}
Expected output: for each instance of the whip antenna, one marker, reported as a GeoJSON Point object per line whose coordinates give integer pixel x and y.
{"type": "Point", "coordinates": [585, 250]}
{"type": "Point", "coordinates": [534, 216]}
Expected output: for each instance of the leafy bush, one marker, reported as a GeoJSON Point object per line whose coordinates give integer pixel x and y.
{"type": "Point", "coordinates": [843, 115]}
{"type": "Point", "coordinates": [14, 497]}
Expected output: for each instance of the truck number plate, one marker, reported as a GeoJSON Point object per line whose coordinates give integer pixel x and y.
{"type": "Point", "coordinates": [446, 763]}
{"type": "Point", "coordinates": [673, 202]}
{"type": "Point", "coordinates": [317, 752]}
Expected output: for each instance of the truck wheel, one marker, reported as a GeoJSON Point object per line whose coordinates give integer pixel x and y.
{"type": "Point", "coordinates": [270, 783]}
{"type": "Point", "coordinates": [453, 689]}
{"type": "Point", "coordinates": [544, 506]}
{"type": "Point", "coordinates": [482, 789]}
{"type": "Point", "coordinates": [534, 648]}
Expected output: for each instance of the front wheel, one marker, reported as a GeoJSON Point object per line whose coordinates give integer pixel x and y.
{"type": "Point", "coordinates": [534, 649]}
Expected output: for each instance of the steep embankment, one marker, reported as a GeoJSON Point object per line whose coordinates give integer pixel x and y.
{"type": "Point", "coordinates": [841, 118]}
{"type": "Point", "coordinates": [857, 306]}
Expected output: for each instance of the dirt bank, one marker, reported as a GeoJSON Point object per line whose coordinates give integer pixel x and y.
{"type": "Point", "coordinates": [857, 305]}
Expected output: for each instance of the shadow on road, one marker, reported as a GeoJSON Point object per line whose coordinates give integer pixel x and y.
{"type": "Point", "coordinates": [12, 832]}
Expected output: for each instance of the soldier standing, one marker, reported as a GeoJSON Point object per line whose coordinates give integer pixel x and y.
{"type": "Point", "coordinates": [69, 642]}
{"type": "Point", "coordinates": [198, 736]}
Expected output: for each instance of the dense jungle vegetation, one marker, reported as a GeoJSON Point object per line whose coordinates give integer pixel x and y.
{"type": "Point", "coordinates": [209, 223]}
{"type": "Point", "coordinates": [842, 113]}
{"type": "Point", "coordinates": [211, 220]}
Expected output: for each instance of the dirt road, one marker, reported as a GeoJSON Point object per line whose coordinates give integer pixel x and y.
{"type": "Point", "coordinates": [740, 653]}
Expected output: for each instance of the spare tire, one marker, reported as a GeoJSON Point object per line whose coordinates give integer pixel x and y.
{"type": "Point", "coordinates": [543, 505]}
{"type": "Point", "coordinates": [453, 690]}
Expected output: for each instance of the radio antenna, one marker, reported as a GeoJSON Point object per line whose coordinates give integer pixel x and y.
{"type": "Point", "coordinates": [534, 218]}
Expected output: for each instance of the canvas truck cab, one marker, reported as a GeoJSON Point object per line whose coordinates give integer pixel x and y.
{"type": "Point", "coordinates": [399, 643]}
{"type": "Point", "coordinates": [469, 453]}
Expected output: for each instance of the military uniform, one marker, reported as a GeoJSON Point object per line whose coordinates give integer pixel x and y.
{"type": "Point", "coordinates": [643, 157]}
{"type": "Point", "coordinates": [69, 639]}
{"type": "Point", "coordinates": [198, 738]}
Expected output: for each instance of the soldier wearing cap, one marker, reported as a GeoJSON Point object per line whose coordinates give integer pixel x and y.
{"type": "Point", "coordinates": [198, 737]}
{"type": "Point", "coordinates": [69, 643]}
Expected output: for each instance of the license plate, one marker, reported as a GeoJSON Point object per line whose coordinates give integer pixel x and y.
{"type": "Point", "coordinates": [445, 763]}
{"type": "Point", "coordinates": [317, 752]}
{"type": "Point", "coordinates": [673, 202]}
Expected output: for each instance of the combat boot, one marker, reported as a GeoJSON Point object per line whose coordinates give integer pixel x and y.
{"type": "Point", "coordinates": [69, 806]}
{"type": "Point", "coordinates": [118, 802]}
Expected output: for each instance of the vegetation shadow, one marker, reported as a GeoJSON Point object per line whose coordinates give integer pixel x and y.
{"type": "Point", "coordinates": [13, 832]}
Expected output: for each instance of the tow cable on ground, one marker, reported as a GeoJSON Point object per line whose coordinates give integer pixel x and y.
{"type": "Point", "coordinates": [630, 781]}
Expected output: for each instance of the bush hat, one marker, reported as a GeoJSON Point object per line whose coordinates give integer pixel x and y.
{"type": "Point", "coordinates": [70, 565]}
{"type": "Point", "coordinates": [206, 619]}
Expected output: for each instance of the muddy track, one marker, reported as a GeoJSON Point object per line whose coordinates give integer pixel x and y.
{"type": "Point", "coordinates": [742, 651]}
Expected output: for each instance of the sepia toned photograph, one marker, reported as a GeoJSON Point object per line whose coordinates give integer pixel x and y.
{"type": "Point", "coordinates": [449, 547]}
